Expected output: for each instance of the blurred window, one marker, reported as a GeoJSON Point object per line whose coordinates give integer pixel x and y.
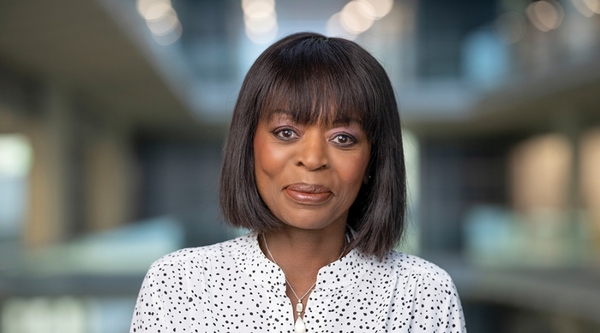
{"type": "Point", "coordinates": [15, 163]}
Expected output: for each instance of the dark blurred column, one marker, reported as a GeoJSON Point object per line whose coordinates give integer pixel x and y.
{"type": "Point", "coordinates": [441, 199]}
{"type": "Point", "coordinates": [441, 28]}
{"type": "Point", "coordinates": [181, 181]}
{"type": "Point", "coordinates": [457, 175]}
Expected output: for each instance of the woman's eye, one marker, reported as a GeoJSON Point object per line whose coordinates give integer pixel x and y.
{"type": "Point", "coordinates": [343, 140]}
{"type": "Point", "coordinates": [285, 134]}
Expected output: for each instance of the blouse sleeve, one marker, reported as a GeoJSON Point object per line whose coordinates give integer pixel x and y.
{"type": "Point", "coordinates": [451, 313]}
{"type": "Point", "coordinates": [440, 308]}
{"type": "Point", "coordinates": [161, 304]}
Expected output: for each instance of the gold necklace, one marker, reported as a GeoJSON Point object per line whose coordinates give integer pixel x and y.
{"type": "Point", "coordinates": [299, 326]}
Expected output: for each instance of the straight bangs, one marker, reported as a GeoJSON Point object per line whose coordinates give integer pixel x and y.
{"type": "Point", "coordinates": [316, 87]}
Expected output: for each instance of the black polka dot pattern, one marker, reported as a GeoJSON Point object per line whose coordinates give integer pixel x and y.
{"type": "Point", "coordinates": [233, 287]}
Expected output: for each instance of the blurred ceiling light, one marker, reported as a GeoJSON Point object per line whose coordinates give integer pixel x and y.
{"type": "Point", "coordinates": [545, 15]}
{"type": "Point", "coordinates": [261, 26]}
{"type": "Point", "coordinates": [357, 16]}
{"type": "Point", "coordinates": [582, 8]}
{"type": "Point", "coordinates": [246, 4]}
{"type": "Point", "coordinates": [260, 20]}
{"type": "Point", "coordinates": [593, 5]}
{"type": "Point", "coordinates": [161, 19]}
{"type": "Point", "coordinates": [143, 5]}
{"type": "Point", "coordinates": [381, 7]}
{"type": "Point", "coordinates": [262, 38]}
{"type": "Point", "coordinates": [164, 25]}
{"type": "Point", "coordinates": [157, 11]}
{"type": "Point", "coordinates": [169, 37]}
{"type": "Point", "coordinates": [510, 27]}
{"type": "Point", "coordinates": [587, 7]}
{"type": "Point", "coordinates": [334, 28]}
{"type": "Point", "coordinates": [259, 9]}
{"type": "Point", "coordinates": [153, 9]}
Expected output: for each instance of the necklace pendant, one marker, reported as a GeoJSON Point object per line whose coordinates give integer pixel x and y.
{"type": "Point", "coordinates": [299, 307]}
{"type": "Point", "coordinates": [299, 326]}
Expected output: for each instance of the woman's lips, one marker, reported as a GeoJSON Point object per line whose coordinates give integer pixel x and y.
{"type": "Point", "coordinates": [308, 193]}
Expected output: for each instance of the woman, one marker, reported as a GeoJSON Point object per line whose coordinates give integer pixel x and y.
{"type": "Point", "coordinates": [314, 168]}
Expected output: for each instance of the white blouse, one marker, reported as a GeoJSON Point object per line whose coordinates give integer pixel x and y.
{"type": "Point", "coordinates": [233, 287]}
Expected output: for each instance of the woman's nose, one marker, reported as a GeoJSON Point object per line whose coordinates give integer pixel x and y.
{"type": "Point", "coordinates": [313, 151]}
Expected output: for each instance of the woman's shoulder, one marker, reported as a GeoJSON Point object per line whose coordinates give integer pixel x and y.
{"type": "Point", "coordinates": [203, 254]}
{"type": "Point", "coordinates": [417, 267]}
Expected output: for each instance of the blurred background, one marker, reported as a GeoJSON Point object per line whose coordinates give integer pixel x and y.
{"type": "Point", "coordinates": [113, 115]}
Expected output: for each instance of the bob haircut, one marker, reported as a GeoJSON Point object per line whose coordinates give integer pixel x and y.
{"type": "Point", "coordinates": [317, 78]}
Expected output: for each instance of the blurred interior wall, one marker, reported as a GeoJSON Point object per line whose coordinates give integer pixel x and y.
{"type": "Point", "coordinates": [111, 180]}
{"type": "Point", "coordinates": [50, 133]}
{"type": "Point", "coordinates": [83, 175]}
{"type": "Point", "coordinates": [540, 174]}
{"type": "Point", "coordinates": [590, 179]}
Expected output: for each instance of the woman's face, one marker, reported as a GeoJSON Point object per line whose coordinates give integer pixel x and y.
{"type": "Point", "coordinates": [309, 175]}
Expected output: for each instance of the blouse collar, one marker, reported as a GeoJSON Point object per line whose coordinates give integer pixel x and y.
{"type": "Point", "coordinates": [345, 271]}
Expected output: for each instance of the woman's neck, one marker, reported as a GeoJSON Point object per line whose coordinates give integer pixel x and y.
{"type": "Point", "coordinates": [301, 254]}
{"type": "Point", "coordinates": [315, 247]}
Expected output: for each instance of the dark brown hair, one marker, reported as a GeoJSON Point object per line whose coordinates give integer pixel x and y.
{"type": "Point", "coordinates": [318, 78]}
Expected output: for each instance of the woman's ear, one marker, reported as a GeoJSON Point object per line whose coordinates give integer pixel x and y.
{"type": "Point", "coordinates": [366, 179]}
